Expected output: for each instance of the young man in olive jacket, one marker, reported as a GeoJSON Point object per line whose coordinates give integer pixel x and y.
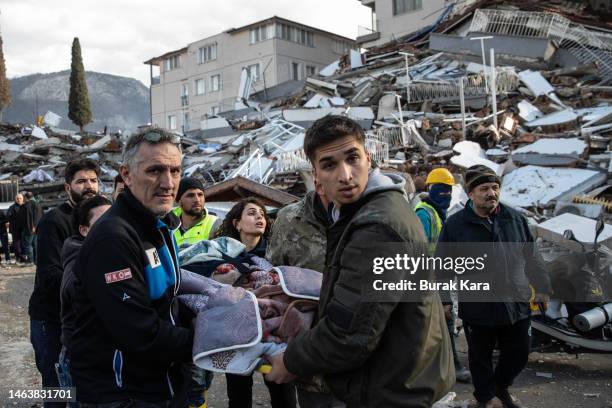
{"type": "Point", "coordinates": [371, 353]}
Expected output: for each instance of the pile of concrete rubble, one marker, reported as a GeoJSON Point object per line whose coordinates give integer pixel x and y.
{"type": "Point", "coordinates": [541, 117]}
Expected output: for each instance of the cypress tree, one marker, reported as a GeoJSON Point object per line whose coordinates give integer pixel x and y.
{"type": "Point", "coordinates": [79, 110]}
{"type": "Point", "coordinates": [5, 85]}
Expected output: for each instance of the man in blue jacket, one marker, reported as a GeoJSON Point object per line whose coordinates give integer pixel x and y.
{"type": "Point", "coordinates": [128, 346]}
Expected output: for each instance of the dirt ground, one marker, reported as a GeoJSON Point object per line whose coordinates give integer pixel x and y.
{"type": "Point", "coordinates": [549, 381]}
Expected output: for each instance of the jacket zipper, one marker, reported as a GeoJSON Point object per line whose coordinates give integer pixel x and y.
{"type": "Point", "coordinates": [176, 286]}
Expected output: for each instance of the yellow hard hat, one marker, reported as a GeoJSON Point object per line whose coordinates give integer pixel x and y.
{"type": "Point", "coordinates": [440, 176]}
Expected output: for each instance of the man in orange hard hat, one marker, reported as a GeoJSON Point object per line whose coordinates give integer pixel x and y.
{"type": "Point", "coordinates": [432, 213]}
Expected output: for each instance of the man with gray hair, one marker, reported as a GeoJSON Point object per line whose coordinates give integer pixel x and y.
{"type": "Point", "coordinates": [127, 346]}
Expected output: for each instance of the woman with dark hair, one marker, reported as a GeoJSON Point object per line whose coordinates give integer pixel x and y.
{"type": "Point", "coordinates": [248, 222]}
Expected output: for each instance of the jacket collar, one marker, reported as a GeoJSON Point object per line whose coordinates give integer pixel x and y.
{"type": "Point", "coordinates": [178, 211]}
{"type": "Point", "coordinates": [142, 215]}
{"type": "Point", "coordinates": [501, 213]}
{"type": "Point", "coordinates": [378, 182]}
{"type": "Point", "coordinates": [441, 213]}
{"type": "Point", "coordinates": [312, 209]}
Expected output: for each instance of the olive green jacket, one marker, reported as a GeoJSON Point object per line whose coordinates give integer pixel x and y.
{"type": "Point", "coordinates": [374, 353]}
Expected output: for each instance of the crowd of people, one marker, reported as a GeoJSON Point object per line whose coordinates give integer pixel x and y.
{"type": "Point", "coordinates": [20, 220]}
{"type": "Point", "coordinates": [106, 320]}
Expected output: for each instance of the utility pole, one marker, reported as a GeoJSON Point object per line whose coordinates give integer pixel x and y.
{"type": "Point", "coordinates": [462, 102]}
{"type": "Point", "coordinates": [493, 87]}
{"type": "Point", "coordinates": [406, 55]}
{"type": "Point", "coordinates": [484, 61]}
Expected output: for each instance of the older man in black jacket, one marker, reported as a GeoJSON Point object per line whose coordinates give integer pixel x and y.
{"type": "Point", "coordinates": [127, 343]}
{"type": "Point", "coordinates": [493, 225]}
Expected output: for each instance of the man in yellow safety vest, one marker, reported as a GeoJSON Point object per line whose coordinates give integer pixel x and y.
{"type": "Point", "coordinates": [432, 213]}
{"type": "Point", "coordinates": [196, 223]}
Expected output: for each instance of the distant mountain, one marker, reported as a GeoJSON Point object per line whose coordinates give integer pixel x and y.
{"type": "Point", "coordinates": [117, 102]}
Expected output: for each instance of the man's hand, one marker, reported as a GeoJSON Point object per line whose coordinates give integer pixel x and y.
{"type": "Point", "coordinates": [279, 373]}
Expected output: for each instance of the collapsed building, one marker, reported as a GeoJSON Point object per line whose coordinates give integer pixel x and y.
{"type": "Point", "coordinates": [522, 87]}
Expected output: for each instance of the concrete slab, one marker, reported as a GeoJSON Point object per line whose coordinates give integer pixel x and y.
{"type": "Point", "coordinates": [470, 154]}
{"type": "Point", "coordinates": [582, 227]}
{"type": "Point", "coordinates": [551, 152]}
{"type": "Point", "coordinates": [534, 185]}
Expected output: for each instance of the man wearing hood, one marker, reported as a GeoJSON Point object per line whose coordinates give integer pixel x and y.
{"type": "Point", "coordinates": [371, 352]}
{"type": "Point", "coordinates": [432, 214]}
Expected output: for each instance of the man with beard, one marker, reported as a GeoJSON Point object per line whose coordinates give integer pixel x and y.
{"type": "Point", "coordinates": [506, 321]}
{"type": "Point", "coordinates": [55, 226]}
{"type": "Point", "coordinates": [196, 223]}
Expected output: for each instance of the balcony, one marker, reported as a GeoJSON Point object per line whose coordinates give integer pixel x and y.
{"type": "Point", "coordinates": [368, 3]}
{"type": "Point", "coordinates": [366, 35]}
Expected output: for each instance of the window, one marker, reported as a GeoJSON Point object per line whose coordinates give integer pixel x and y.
{"type": "Point", "coordinates": [199, 86]}
{"type": "Point", "coordinates": [406, 6]}
{"type": "Point", "coordinates": [215, 83]}
{"type": "Point", "coordinates": [214, 110]}
{"type": "Point", "coordinates": [253, 72]}
{"type": "Point", "coordinates": [171, 122]}
{"type": "Point", "coordinates": [261, 33]}
{"type": "Point", "coordinates": [341, 47]}
{"type": "Point", "coordinates": [311, 70]}
{"type": "Point", "coordinates": [294, 34]}
{"type": "Point", "coordinates": [186, 121]}
{"type": "Point", "coordinates": [172, 63]}
{"type": "Point", "coordinates": [296, 71]}
{"type": "Point", "coordinates": [184, 94]}
{"type": "Point", "coordinates": [207, 53]}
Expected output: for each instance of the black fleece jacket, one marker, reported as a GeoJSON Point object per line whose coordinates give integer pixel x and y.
{"type": "Point", "coordinates": [53, 229]}
{"type": "Point", "coordinates": [127, 342]}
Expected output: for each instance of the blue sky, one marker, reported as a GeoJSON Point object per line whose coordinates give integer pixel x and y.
{"type": "Point", "coordinates": [118, 35]}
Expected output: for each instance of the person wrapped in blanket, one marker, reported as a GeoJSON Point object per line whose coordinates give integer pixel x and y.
{"type": "Point", "coordinates": [241, 241]}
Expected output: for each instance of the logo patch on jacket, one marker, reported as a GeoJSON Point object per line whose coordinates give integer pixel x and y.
{"type": "Point", "coordinates": [153, 257]}
{"type": "Point", "coordinates": [117, 276]}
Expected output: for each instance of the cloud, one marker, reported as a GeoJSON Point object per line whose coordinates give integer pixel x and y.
{"type": "Point", "coordinates": [116, 36]}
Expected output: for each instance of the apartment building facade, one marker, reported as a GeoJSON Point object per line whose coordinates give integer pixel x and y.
{"type": "Point", "coordinates": [393, 19]}
{"type": "Point", "coordinates": [203, 78]}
